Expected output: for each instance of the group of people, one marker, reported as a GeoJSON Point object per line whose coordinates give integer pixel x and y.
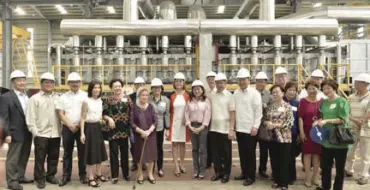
{"type": "Point", "coordinates": [279, 119]}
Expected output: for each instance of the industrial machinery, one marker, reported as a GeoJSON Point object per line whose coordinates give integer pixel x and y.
{"type": "Point", "coordinates": [164, 45]}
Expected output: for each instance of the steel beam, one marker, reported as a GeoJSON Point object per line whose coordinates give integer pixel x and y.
{"type": "Point", "coordinates": [7, 44]}
{"type": "Point", "coordinates": [38, 11]}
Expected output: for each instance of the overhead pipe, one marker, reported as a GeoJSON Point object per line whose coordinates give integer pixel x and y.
{"type": "Point", "coordinates": [346, 14]}
{"type": "Point", "coordinates": [85, 27]}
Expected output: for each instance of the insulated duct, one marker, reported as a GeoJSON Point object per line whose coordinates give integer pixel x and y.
{"type": "Point", "coordinates": [85, 27]}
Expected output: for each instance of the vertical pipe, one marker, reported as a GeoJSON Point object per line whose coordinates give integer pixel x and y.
{"type": "Point", "coordinates": [58, 63]}
{"type": "Point", "coordinates": [97, 70]}
{"type": "Point", "coordinates": [299, 58]}
{"type": "Point", "coordinates": [49, 45]}
{"type": "Point", "coordinates": [119, 72]}
{"type": "Point", "coordinates": [254, 59]}
{"type": "Point", "coordinates": [277, 46]}
{"type": "Point", "coordinates": [130, 10]}
{"type": "Point", "coordinates": [322, 44]}
{"type": "Point", "coordinates": [340, 69]}
{"type": "Point", "coordinates": [267, 10]}
{"type": "Point", "coordinates": [7, 44]}
{"type": "Point", "coordinates": [144, 59]}
{"type": "Point", "coordinates": [76, 57]}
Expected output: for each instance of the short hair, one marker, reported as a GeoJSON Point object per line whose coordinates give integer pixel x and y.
{"type": "Point", "coordinates": [141, 90]}
{"type": "Point", "coordinates": [330, 82]}
{"type": "Point", "coordinates": [311, 82]}
{"type": "Point", "coordinates": [277, 86]}
{"type": "Point", "coordinates": [291, 85]}
{"type": "Point", "coordinates": [192, 96]}
{"type": "Point", "coordinates": [151, 88]}
{"type": "Point", "coordinates": [91, 87]}
{"type": "Point", "coordinates": [115, 80]}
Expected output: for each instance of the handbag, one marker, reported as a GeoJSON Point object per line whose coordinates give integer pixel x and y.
{"type": "Point", "coordinates": [341, 136]}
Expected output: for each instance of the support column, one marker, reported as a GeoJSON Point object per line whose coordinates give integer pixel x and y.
{"type": "Point", "coordinates": [7, 44]}
{"type": "Point", "coordinates": [206, 55]}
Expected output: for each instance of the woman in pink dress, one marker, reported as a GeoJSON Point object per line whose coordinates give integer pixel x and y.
{"type": "Point", "coordinates": [308, 112]}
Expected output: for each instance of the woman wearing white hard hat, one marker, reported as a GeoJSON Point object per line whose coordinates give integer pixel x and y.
{"type": "Point", "coordinates": [359, 106]}
{"type": "Point", "coordinates": [317, 76]}
{"type": "Point", "coordinates": [197, 118]}
{"type": "Point", "coordinates": [178, 133]}
{"type": "Point", "coordinates": [161, 106]}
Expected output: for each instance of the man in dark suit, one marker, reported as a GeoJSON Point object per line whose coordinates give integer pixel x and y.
{"type": "Point", "coordinates": [12, 110]}
{"type": "Point", "coordinates": [139, 82]}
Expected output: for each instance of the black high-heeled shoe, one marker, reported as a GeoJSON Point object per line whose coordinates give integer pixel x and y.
{"type": "Point", "coordinates": [140, 181]}
{"type": "Point", "coordinates": [152, 181]}
{"type": "Point", "coordinates": [91, 181]}
{"type": "Point", "coordinates": [101, 178]}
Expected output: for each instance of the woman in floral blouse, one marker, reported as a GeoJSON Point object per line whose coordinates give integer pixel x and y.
{"type": "Point", "coordinates": [116, 112]}
{"type": "Point", "coordinates": [280, 119]}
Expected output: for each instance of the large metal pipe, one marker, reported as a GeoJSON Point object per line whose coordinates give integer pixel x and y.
{"type": "Point", "coordinates": [190, 26]}
{"type": "Point", "coordinates": [267, 10]}
{"type": "Point", "coordinates": [130, 10]}
{"type": "Point", "coordinates": [347, 14]}
{"type": "Point", "coordinates": [147, 7]}
{"type": "Point", "coordinates": [58, 63]}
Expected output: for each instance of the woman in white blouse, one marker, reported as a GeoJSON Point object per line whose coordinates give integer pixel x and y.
{"type": "Point", "coordinates": [91, 134]}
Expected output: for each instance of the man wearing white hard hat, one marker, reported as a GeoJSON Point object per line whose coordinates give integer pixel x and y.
{"type": "Point", "coordinates": [359, 104]}
{"type": "Point", "coordinates": [44, 124]}
{"type": "Point", "coordinates": [222, 129]}
{"type": "Point", "coordinates": [13, 108]}
{"type": "Point", "coordinates": [161, 105]}
{"type": "Point", "coordinates": [211, 89]}
{"type": "Point", "coordinates": [138, 83]}
{"type": "Point", "coordinates": [248, 115]}
{"type": "Point", "coordinates": [317, 76]}
{"type": "Point", "coordinates": [281, 76]}
{"type": "Point", "coordinates": [264, 135]}
{"type": "Point", "coordinates": [69, 111]}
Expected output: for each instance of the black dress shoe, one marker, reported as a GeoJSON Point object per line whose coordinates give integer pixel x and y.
{"type": "Point", "coordinates": [127, 178]}
{"type": "Point", "coordinates": [216, 177]}
{"type": "Point", "coordinates": [263, 175]}
{"type": "Point", "coordinates": [64, 181]}
{"type": "Point", "coordinates": [238, 178]}
{"type": "Point", "coordinates": [52, 180]}
{"type": "Point", "coordinates": [40, 184]}
{"type": "Point", "coordinates": [133, 167]}
{"type": "Point", "coordinates": [248, 182]}
{"type": "Point", "coordinates": [25, 180]}
{"type": "Point", "coordinates": [84, 180]}
{"type": "Point", "coordinates": [225, 179]}
{"type": "Point", "coordinates": [15, 187]}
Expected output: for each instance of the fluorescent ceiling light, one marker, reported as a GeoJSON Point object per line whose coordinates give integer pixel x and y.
{"type": "Point", "coordinates": [317, 5]}
{"type": "Point", "coordinates": [19, 11]}
{"type": "Point", "coordinates": [221, 9]}
{"type": "Point", "coordinates": [61, 9]}
{"type": "Point", "coordinates": [111, 10]}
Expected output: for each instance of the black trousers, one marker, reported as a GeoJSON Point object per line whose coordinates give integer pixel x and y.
{"type": "Point", "coordinates": [221, 153]}
{"type": "Point", "coordinates": [327, 158]}
{"type": "Point", "coordinates": [69, 139]}
{"type": "Point", "coordinates": [209, 149]}
{"type": "Point", "coordinates": [280, 163]}
{"type": "Point", "coordinates": [160, 136]}
{"type": "Point", "coordinates": [292, 161]}
{"type": "Point", "coordinates": [17, 159]}
{"type": "Point", "coordinates": [46, 147]}
{"type": "Point", "coordinates": [247, 154]}
{"type": "Point", "coordinates": [115, 146]}
{"type": "Point", "coordinates": [265, 151]}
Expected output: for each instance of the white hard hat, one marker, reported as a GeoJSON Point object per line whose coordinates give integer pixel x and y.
{"type": "Point", "coordinates": [261, 75]}
{"type": "Point", "coordinates": [243, 73]}
{"type": "Point", "coordinates": [317, 73]}
{"type": "Point", "coordinates": [47, 76]}
{"type": "Point", "coordinates": [211, 74]}
{"type": "Point", "coordinates": [280, 70]}
{"type": "Point", "coordinates": [363, 77]}
{"type": "Point", "coordinates": [197, 83]}
{"type": "Point", "coordinates": [74, 77]}
{"type": "Point", "coordinates": [179, 76]}
{"type": "Point", "coordinates": [17, 74]}
{"type": "Point", "coordinates": [220, 76]}
{"type": "Point", "coordinates": [139, 80]}
{"type": "Point", "coordinates": [156, 82]}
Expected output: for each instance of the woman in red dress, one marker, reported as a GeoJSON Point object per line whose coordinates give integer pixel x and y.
{"type": "Point", "coordinates": [308, 112]}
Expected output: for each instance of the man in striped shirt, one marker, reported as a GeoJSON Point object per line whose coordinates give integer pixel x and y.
{"type": "Point", "coordinates": [359, 103]}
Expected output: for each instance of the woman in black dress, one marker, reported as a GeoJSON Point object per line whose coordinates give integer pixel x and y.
{"type": "Point", "coordinates": [91, 134]}
{"type": "Point", "coordinates": [143, 121]}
